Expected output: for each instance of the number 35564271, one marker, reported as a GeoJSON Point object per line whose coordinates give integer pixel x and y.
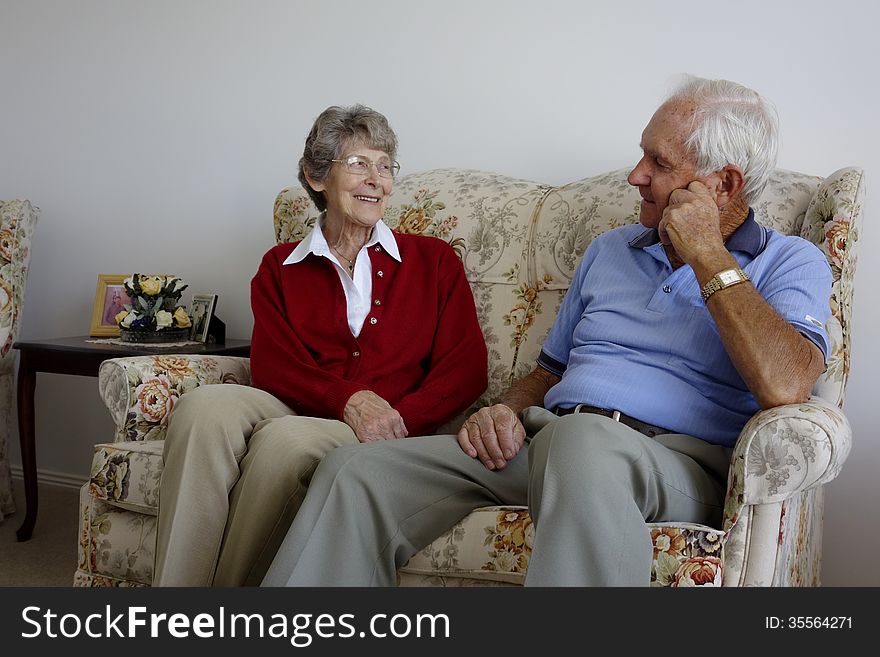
{"type": "Point", "coordinates": [808, 622]}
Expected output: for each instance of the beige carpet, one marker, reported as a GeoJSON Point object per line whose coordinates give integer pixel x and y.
{"type": "Point", "coordinates": [49, 558]}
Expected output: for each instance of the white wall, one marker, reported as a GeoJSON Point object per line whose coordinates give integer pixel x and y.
{"type": "Point", "coordinates": [155, 135]}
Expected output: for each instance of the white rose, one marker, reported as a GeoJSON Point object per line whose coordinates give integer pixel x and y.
{"type": "Point", "coordinates": [505, 562]}
{"type": "Point", "coordinates": [129, 318]}
{"type": "Point", "coordinates": [163, 319]}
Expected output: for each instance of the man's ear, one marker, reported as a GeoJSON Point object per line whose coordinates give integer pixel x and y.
{"type": "Point", "coordinates": [730, 185]}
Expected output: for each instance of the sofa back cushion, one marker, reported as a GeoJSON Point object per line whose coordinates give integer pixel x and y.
{"type": "Point", "coordinates": [520, 242]}
{"type": "Point", "coordinates": [487, 219]}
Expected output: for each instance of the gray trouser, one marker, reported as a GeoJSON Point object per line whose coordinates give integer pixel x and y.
{"type": "Point", "coordinates": [237, 465]}
{"type": "Point", "coordinates": [591, 484]}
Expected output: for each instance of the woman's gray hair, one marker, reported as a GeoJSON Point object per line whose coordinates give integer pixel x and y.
{"type": "Point", "coordinates": [731, 125]}
{"type": "Point", "coordinates": [335, 130]}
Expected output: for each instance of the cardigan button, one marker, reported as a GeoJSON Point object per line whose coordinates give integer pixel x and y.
{"type": "Point", "coordinates": [377, 249]}
{"type": "Point", "coordinates": [379, 273]}
{"type": "Point", "coordinates": [355, 353]}
{"type": "Point", "coordinates": [373, 320]}
{"type": "Point", "coordinates": [377, 302]}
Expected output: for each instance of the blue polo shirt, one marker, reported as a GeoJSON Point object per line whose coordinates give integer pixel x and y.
{"type": "Point", "coordinates": [634, 335]}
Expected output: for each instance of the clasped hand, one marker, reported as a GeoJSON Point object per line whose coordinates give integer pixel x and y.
{"type": "Point", "coordinates": [494, 434]}
{"type": "Point", "coordinates": [372, 418]}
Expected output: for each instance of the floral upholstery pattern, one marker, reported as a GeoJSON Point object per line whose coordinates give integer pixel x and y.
{"type": "Point", "coordinates": [502, 554]}
{"type": "Point", "coordinates": [17, 221]}
{"type": "Point", "coordinates": [833, 222]}
{"type": "Point", "coordinates": [781, 459]}
{"type": "Point", "coordinates": [116, 547]}
{"type": "Point", "coordinates": [519, 242]}
{"type": "Point", "coordinates": [119, 503]}
{"type": "Point", "coordinates": [141, 391]}
{"type": "Point", "coordinates": [128, 476]}
{"type": "Point", "coordinates": [684, 555]}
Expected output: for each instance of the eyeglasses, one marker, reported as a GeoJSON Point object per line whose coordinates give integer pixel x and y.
{"type": "Point", "coordinates": [361, 165]}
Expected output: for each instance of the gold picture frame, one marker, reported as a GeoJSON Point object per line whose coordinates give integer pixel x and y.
{"type": "Point", "coordinates": [110, 296]}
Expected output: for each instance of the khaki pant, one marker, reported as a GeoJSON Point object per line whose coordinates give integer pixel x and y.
{"type": "Point", "coordinates": [590, 483]}
{"type": "Point", "coordinates": [237, 465]}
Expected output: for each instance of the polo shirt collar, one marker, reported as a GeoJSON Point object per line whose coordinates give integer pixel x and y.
{"type": "Point", "coordinates": [750, 237]}
{"type": "Point", "coordinates": [316, 243]}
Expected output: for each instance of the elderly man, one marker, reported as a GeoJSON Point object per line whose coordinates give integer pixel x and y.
{"type": "Point", "coordinates": [672, 334]}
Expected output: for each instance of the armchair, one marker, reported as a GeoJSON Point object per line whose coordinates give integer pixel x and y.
{"type": "Point", "coordinates": [519, 242]}
{"type": "Point", "coordinates": [17, 221]}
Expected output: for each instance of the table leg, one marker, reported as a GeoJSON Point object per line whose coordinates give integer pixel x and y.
{"type": "Point", "coordinates": [26, 385]}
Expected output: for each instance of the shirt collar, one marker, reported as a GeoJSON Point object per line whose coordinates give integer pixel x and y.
{"type": "Point", "coordinates": [750, 237]}
{"type": "Point", "coordinates": [316, 243]}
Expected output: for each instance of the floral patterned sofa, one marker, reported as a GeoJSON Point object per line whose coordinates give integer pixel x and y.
{"type": "Point", "coordinates": [519, 242]}
{"type": "Point", "coordinates": [17, 221]}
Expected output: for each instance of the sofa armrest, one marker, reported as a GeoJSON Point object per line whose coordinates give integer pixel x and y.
{"type": "Point", "coordinates": [17, 221]}
{"type": "Point", "coordinates": [140, 391]}
{"type": "Point", "coordinates": [785, 450]}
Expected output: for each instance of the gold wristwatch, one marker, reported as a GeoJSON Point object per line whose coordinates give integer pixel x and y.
{"type": "Point", "coordinates": [722, 280]}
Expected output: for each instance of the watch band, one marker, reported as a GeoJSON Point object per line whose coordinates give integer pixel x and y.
{"type": "Point", "coordinates": [722, 280]}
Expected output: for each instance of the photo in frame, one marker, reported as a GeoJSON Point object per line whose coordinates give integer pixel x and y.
{"type": "Point", "coordinates": [110, 299]}
{"type": "Point", "coordinates": [201, 312]}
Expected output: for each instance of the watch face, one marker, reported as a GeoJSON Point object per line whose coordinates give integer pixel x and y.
{"type": "Point", "coordinates": [729, 276]}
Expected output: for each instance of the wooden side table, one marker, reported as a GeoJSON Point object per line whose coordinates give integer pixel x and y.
{"type": "Point", "coordinates": [76, 356]}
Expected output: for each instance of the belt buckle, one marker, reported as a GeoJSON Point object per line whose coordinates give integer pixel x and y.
{"type": "Point", "coordinates": [615, 415]}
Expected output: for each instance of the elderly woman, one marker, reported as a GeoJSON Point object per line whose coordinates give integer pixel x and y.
{"type": "Point", "coordinates": [360, 334]}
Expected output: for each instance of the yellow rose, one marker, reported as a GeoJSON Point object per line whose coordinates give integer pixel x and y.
{"type": "Point", "coordinates": [151, 284]}
{"type": "Point", "coordinates": [122, 314]}
{"type": "Point", "coordinates": [176, 366]}
{"type": "Point", "coordinates": [413, 222]}
{"type": "Point", "coordinates": [181, 317]}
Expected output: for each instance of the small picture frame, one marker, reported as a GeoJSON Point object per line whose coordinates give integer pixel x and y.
{"type": "Point", "coordinates": [201, 312]}
{"type": "Point", "coordinates": [110, 299]}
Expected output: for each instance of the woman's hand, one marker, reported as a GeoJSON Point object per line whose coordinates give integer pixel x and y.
{"type": "Point", "coordinates": [373, 418]}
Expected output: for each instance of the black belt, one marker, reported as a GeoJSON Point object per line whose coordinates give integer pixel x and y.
{"type": "Point", "coordinates": [649, 430]}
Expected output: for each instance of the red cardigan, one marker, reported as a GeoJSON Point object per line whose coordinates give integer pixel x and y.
{"type": "Point", "coordinates": [421, 348]}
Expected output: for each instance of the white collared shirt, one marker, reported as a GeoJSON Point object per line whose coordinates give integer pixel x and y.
{"type": "Point", "coordinates": [358, 287]}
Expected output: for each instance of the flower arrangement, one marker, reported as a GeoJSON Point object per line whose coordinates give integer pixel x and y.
{"type": "Point", "coordinates": [155, 304]}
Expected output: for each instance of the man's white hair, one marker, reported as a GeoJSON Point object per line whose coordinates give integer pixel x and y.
{"type": "Point", "coordinates": [731, 125]}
